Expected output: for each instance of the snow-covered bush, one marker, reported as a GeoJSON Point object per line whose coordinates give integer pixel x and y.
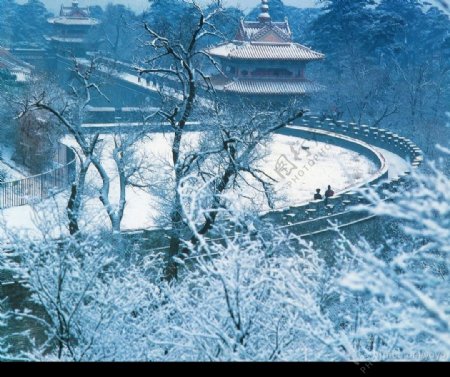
{"type": "Point", "coordinates": [3, 175]}
{"type": "Point", "coordinates": [397, 296]}
{"type": "Point", "coordinates": [78, 292]}
{"type": "Point", "coordinates": [3, 321]}
{"type": "Point", "coordinates": [246, 297]}
{"type": "Point", "coordinates": [251, 292]}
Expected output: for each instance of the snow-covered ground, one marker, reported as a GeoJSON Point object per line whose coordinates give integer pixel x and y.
{"type": "Point", "coordinates": [8, 165]}
{"type": "Point", "coordinates": [395, 163]}
{"type": "Point", "coordinates": [298, 166]}
{"type": "Point", "coordinates": [12, 174]}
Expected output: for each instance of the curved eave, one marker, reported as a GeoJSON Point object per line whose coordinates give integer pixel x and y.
{"type": "Point", "coordinates": [256, 51]}
{"type": "Point", "coordinates": [271, 59]}
{"type": "Point", "coordinates": [67, 40]}
{"type": "Point", "coordinates": [267, 87]}
{"type": "Point", "coordinates": [73, 21]}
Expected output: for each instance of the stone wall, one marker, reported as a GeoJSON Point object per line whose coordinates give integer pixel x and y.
{"type": "Point", "coordinates": [317, 216]}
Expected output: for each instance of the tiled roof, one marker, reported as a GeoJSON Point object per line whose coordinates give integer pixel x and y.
{"type": "Point", "coordinates": [66, 39]}
{"type": "Point", "coordinates": [11, 63]}
{"type": "Point", "coordinates": [257, 30]}
{"type": "Point", "coordinates": [265, 87]}
{"type": "Point", "coordinates": [252, 30]}
{"type": "Point", "coordinates": [264, 41]}
{"type": "Point", "coordinates": [73, 21]}
{"type": "Point", "coordinates": [281, 34]}
{"type": "Point", "coordinates": [264, 51]}
{"type": "Point", "coordinates": [74, 11]}
{"type": "Point", "coordinates": [74, 15]}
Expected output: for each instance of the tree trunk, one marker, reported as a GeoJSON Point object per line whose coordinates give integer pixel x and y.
{"type": "Point", "coordinates": [171, 270]}
{"type": "Point", "coordinates": [74, 203]}
{"type": "Point", "coordinates": [72, 212]}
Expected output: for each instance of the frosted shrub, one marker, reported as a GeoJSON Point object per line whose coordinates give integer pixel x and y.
{"type": "Point", "coordinates": [3, 175]}
{"type": "Point", "coordinates": [397, 294]}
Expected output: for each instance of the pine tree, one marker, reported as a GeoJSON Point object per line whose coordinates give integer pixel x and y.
{"type": "Point", "coordinates": [8, 10]}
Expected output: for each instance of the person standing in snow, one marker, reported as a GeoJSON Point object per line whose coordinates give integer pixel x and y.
{"type": "Point", "coordinates": [317, 195]}
{"type": "Point", "coordinates": [329, 193]}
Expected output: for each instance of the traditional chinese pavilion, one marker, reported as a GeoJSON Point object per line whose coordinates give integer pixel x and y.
{"type": "Point", "coordinates": [71, 29]}
{"type": "Point", "coordinates": [263, 60]}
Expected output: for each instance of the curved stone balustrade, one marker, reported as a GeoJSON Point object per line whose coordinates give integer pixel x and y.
{"type": "Point", "coordinates": [304, 219]}
{"type": "Point", "coordinates": [315, 216]}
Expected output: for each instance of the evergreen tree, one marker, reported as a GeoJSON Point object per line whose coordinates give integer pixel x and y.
{"type": "Point", "coordinates": [9, 89]}
{"type": "Point", "coordinates": [342, 27]}
{"type": "Point", "coordinates": [96, 11]}
{"type": "Point", "coordinates": [299, 21]}
{"type": "Point", "coordinates": [34, 26]}
{"type": "Point", "coordinates": [118, 31]}
{"type": "Point", "coordinates": [386, 64]}
{"type": "Point", "coordinates": [8, 10]}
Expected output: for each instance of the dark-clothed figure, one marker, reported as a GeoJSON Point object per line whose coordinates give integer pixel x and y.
{"type": "Point", "coordinates": [317, 195]}
{"type": "Point", "coordinates": [329, 193]}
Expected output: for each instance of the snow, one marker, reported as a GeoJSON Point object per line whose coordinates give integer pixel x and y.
{"type": "Point", "coordinates": [22, 76]}
{"type": "Point", "coordinates": [74, 21]}
{"type": "Point", "coordinates": [396, 164]}
{"type": "Point", "coordinates": [12, 173]}
{"type": "Point", "coordinates": [112, 125]}
{"type": "Point", "coordinates": [141, 81]}
{"type": "Point", "coordinates": [314, 165]}
{"type": "Point", "coordinates": [134, 79]}
{"type": "Point", "coordinates": [116, 125]}
{"type": "Point", "coordinates": [7, 164]}
{"type": "Point", "coordinates": [68, 40]}
{"type": "Point", "coordinates": [95, 109]}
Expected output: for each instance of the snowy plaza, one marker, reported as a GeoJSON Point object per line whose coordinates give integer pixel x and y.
{"type": "Point", "coordinates": [318, 164]}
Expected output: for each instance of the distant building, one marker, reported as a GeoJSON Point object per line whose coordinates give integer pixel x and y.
{"type": "Point", "coordinates": [14, 66]}
{"type": "Point", "coordinates": [71, 30]}
{"type": "Point", "coordinates": [263, 60]}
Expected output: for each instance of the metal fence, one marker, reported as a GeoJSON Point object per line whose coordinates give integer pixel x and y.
{"type": "Point", "coordinates": [42, 186]}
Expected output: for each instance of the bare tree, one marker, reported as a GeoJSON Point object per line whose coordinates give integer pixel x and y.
{"type": "Point", "coordinates": [75, 291]}
{"type": "Point", "coordinates": [69, 111]}
{"type": "Point", "coordinates": [177, 60]}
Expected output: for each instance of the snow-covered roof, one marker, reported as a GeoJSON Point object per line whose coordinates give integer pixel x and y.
{"type": "Point", "coordinates": [73, 21]}
{"type": "Point", "coordinates": [264, 40]}
{"type": "Point", "coordinates": [265, 87]}
{"type": "Point", "coordinates": [255, 30]}
{"type": "Point", "coordinates": [100, 109]}
{"type": "Point", "coordinates": [264, 29]}
{"type": "Point", "coordinates": [264, 51]}
{"type": "Point", "coordinates": [74, 16]}
{"type": "Point", "coordinates": [14, 65]}
{"type": "Point", "coordinates": [67, 40]}
{"type": "Point", "coordinates": [74, 11]}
